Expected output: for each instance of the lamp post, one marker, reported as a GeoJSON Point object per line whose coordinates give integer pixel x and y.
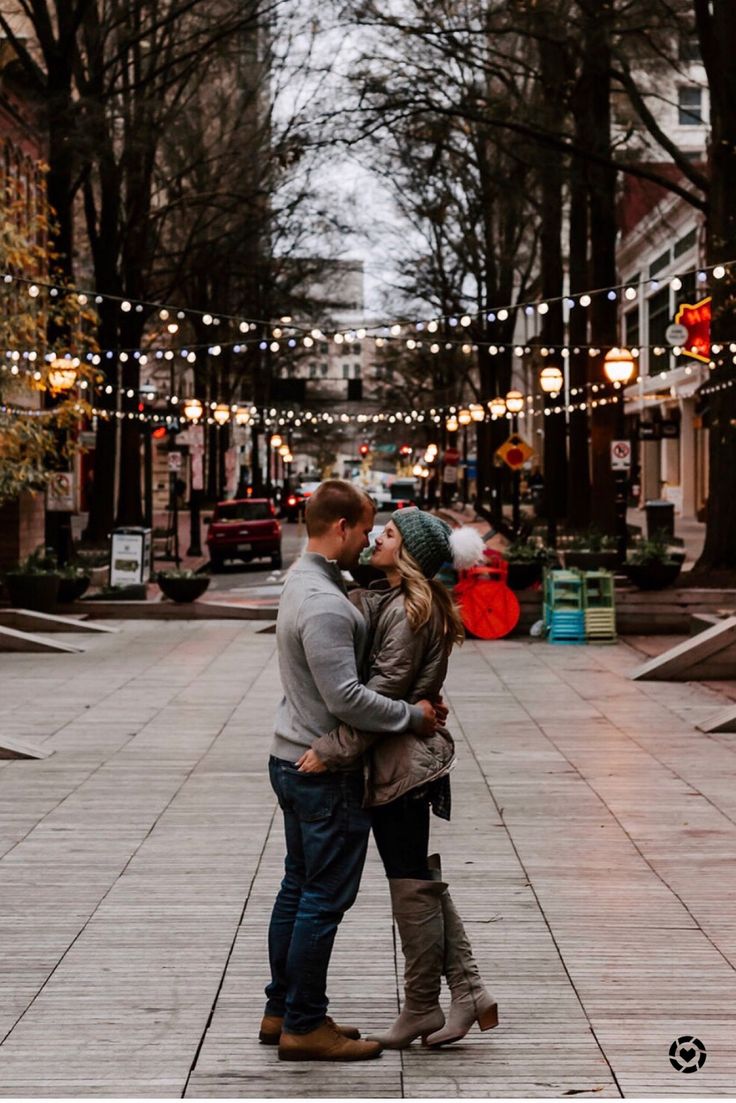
{"type": "Point", "coordinates": [61, 379]}
{"type": "Point", "coordinates": [464, 418]}
{"type": "Point", "coordinates": [619, 368]}
{"type": "Point", "coordinates": [514, 405]}
{"type": "Point", "coordinates": [194, 412]}
{"type": "Point", "coordinates": [552, 382]}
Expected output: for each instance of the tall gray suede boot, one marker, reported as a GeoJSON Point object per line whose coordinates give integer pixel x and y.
{"type": "Point", "coordinates": [470, 1002]}
{"type": "Point", "coordinates": [418, 913]}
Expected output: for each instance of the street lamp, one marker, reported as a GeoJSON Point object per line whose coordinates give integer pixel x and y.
{"type": "Point", "coordinates": [221, 413]}
{"type": "Point", "coordinates": [242, 415]}
{"type": "Point", "coordinates": [619, 368]}
{"type": "Point", "coordinates": [477, 412]}
{"type": "Point", "coordinates": [514, 405]}
{"type": "Point", "coordinates": [551, 380]}
{"type": "Point", "coordinates": [452, 424]}
{"type": "Point", "coordinates": [464, 418]}
{"type": "Point", "coordinates": [62, 373]}
{"type": "Point", "coordinates": [193, 409]}
{"type": "Point", "coordinates": [497, 407]}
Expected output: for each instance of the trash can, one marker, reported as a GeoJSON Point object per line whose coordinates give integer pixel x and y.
{"type": "Point", "coordinates": [660, 518]}
{"type": "Point", "coordinates": [130, 556]}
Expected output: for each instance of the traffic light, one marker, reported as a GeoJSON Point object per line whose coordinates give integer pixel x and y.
{"type": "Point", "coordinates": [364, 449]}
{"type": "Point", "coordinates": [406, 450]}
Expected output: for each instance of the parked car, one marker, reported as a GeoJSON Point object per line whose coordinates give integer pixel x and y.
{"type": "Point", "coordinates": [296, 500]}
{"type": "Point", "coordinates": [244, 528]}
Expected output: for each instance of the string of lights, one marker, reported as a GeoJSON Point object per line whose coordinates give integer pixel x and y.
{"type": "Point", "coordinates": [287, 328]}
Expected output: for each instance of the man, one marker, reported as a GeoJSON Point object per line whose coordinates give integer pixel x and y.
{"type": "Point", "coordinates": [321, 640]}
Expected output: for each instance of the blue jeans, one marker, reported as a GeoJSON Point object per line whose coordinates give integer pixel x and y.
{"type": "Point", "coordinates": [326, 841]}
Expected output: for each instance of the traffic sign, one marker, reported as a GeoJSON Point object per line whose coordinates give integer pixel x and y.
{"type": "Point", "coordinates": [515, 452]}
{"type": "Point", "coordinates": [677, 334]}
{"type": "Point", "coordinates": [620, 455]}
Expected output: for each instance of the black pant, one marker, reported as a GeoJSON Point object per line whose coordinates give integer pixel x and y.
{"type": "Point", "coordinates": [401, 831]}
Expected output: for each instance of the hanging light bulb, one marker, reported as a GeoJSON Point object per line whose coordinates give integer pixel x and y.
{"type": "Point", "coordinates": [452, 425]}
{"type": "Point", "coordinates": [497, 406]}
{"type": "Point", "coordinates": [477, 412]}
{"type": "Point", "coordinates": [464, 416]}
{"type": "Point", "coordinates": [276, 441]}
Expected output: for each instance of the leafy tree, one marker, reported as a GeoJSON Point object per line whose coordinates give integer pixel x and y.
{"type": "Point", "coordinates": [35, 437]}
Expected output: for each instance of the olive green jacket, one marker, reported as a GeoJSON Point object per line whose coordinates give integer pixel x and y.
{"type": "Point", "coordinates": [408, 666]}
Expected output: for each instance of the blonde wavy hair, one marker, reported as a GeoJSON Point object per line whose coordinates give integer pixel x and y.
{"type": "Point", "coordinates": [423, 595]}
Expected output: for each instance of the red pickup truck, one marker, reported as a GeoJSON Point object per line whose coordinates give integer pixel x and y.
{"type": "Point", "coordinates": [244, 528]}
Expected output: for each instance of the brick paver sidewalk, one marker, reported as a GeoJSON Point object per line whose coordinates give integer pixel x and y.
{"type": "Point", "coordinates": [591, 853]}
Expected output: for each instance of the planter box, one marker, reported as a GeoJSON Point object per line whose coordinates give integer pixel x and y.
{"type": "Point", "coordinates": [592, 560]}
{"type": "Point", "coordinates": [33, 591]}
{"type": "Point", "coordinates": [183, 589]}
{"type": "Point", "coordinates": [653, 576]}
{"type": "Point", "coordinates": [70, 589]}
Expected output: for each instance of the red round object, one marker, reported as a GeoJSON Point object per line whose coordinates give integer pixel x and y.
{"type": "Point", "coordinates": [489, 610]}
{"type": "Point", "coordinates": [515, 457]}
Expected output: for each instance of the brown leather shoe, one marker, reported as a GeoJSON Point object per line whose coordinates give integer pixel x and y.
{"type": "Point", "coordinates": [326, 1043]}
{"type": "Point", "coordinates": [272, 1025]}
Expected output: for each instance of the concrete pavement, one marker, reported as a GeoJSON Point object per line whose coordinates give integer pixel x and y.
{"type": "Point", "coordinates": [591, 853]}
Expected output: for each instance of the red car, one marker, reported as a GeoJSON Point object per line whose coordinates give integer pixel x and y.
{"type": "Point", "coordinates": [244, 528]}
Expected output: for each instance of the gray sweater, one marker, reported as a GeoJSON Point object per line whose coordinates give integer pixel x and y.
{"type": "Point", "coordinates": [321, 639]}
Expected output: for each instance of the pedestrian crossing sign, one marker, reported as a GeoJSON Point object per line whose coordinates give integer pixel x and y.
{"type": "Point", "coordinates": [515, 452]}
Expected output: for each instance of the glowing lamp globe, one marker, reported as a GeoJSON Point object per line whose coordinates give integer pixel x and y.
{"type": "Point", "coordinates": [477, 412]}
{"type": "Point", "coordinates": [193, 409]}
{"type": "Point", "coordinates": [276, 441]}
{"type": "Point", "coordinates": [619, 366]}
{"type": "Point", "coordinates": [551, 380]}
{"type": "Point", "coordinates": [242, 415]}
{"type": "Point", "coordinates": [62, 374]}
{"type": "Point", "coordinates": [497, 406]}
{"type": "Point", "coordinates": [514, 402]}
{"type": "Point", "coordinates": [221, 413]}
{"type": "Point", "coordinates": [452, 424]}
{"type": "Point", "coordinates": [464, 417]}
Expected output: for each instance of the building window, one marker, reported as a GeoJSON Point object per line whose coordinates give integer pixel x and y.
{"type": "Point", "coordinates": [346, 371]}
{"type": "Point", "coordinates": [689, 46]}
{"type": "Point", "coordinates": [357, 371]}
{"type": "Point", "coordinates": [632, 329]}
{"type": "Point", "coordinates": [661, 262]}
{"type": "Point", "coordinates": [685, 243]}
{"type": "Point", "coordinates": [690, 106]}
{"type": "Point", "coordinates": [659, 317]}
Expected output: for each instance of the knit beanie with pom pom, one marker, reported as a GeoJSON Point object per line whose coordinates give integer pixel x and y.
{"type": "Point", "coordinates": [432, 542]}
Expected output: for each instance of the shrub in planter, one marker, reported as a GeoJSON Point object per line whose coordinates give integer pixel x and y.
{"type": "Point", "coordinates": [591, 550]}
{"type": "Point", "coordinates": [182, 586]}
{"type": "Point", "coordinates": [34, 584]}
{"type": "Point", "coordinates": [652, 566]}
{"type": "Point", "coordinates": [526, 563]}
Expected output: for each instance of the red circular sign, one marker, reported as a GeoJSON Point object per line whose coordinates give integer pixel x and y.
{"type": "Point", "coordinates": [515, 457]}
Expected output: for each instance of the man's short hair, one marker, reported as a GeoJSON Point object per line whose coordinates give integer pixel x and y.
{"type": "Point", "coordinates": [332, 500]}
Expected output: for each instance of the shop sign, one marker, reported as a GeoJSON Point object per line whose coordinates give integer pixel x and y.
{"type": "Point", "coordinates": [696, 318]}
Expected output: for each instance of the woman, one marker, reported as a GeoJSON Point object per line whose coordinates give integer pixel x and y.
{"type": "Point", "coordinates": [414, 628]}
